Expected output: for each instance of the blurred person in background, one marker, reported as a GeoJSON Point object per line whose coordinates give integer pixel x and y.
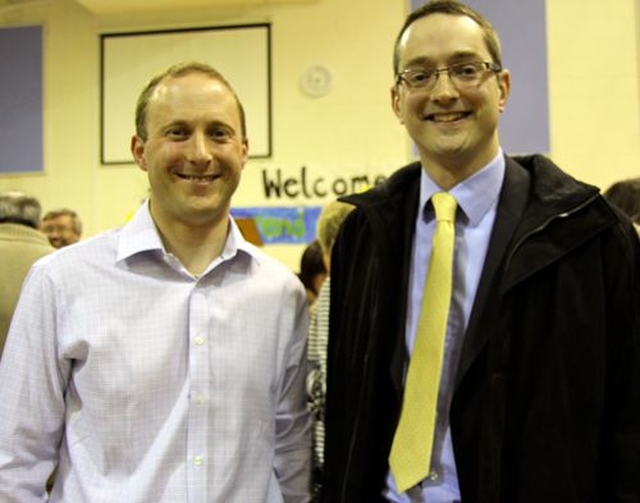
{"type": "Point", "coordinates": [63, 227]}
{"type": "Point", "coordinates": [329, 222]}
{"type": "Point", "coordinates": [21, 244]}
{"type": "Point", "coordinates": [625, 195]}
{"type": "Point", "coordinates": [312, 270]}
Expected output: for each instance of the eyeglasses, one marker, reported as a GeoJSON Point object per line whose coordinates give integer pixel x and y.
{"type": "Point", "coordinates": [461, 74]}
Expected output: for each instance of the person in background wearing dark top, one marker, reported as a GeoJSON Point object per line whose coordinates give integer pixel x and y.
{"type": "Point", "coordinates": [329, 222]}
{"type": "Point", "coordinates": [164, 361]}
{"type": "Point", "coordinates": [625, 194]}
{"type": "Point", "coordinates": [312, 270]}
{"type": "Point", "coordinates": [63, 227]}
{"type": "Point", "coordinates": [21, 244]}
{"type": "Point", "coordinates": [538, 384]}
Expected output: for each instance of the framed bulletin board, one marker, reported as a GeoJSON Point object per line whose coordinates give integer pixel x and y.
{"type": "Point", "coordinates": [129, 60]}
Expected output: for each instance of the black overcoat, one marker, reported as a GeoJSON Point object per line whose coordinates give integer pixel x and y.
{"type": "Point", "coordinates": [547, 400]}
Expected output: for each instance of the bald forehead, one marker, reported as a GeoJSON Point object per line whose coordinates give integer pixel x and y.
{"type": "Point", "coordinates": [199, 88]}
{"type": "Point", "coordinates": [194, 80]}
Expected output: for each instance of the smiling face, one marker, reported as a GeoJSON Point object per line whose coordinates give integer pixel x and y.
{"type": "Point", "coordinates": [454, 128]}
{"type": "Point", "coordinates": [60, 231]}
{"type": "Point", "coordinates": [194, 152]}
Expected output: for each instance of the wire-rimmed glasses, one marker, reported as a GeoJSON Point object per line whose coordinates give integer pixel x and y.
{"type": "Point", "coordinates": [462, 75]}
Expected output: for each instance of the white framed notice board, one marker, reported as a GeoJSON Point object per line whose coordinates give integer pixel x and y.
{"type": "Point", "coordinates": [129, 60]}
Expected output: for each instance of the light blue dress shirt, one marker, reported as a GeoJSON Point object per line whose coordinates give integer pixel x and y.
{"type": "Point", "coordinates": [152, 385]}
{"type": "Point", "coordinates": [477, 199]}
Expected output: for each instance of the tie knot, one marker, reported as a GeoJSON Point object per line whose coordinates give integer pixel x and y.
{"type": "Point", "coordinates": [444, 204]}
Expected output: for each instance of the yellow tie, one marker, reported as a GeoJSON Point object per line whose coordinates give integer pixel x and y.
{"type": "Point", "coordinates": [410, 457]}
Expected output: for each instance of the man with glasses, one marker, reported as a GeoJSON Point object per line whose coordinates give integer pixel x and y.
{"type": "Point", "coordinates": [535, 363]}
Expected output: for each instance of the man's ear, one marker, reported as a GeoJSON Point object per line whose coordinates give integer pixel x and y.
{"type": "Point", "coordinates": [137, 150]}
{"type": "Point", "coordinates": [504, 82]}
{"type": "Point", "coordinates": [395, 103]}
{"type": "Point", "coordinates": [245, 151]}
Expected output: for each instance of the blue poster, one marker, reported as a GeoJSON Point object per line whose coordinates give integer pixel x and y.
{"type": "Point", "coordinates": [21, 137]}
{"type": "Point", "coordinates": [283, 225]}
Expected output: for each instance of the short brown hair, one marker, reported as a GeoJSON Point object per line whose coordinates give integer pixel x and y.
{"type": "Point", "coordinates": [625, 194]}
{"type": "Point", "coordinates": [454, 8]}
{"type": "Point", "coordinates": [180, 70]}
{"type": "Point", "coordinates": [76, 223]}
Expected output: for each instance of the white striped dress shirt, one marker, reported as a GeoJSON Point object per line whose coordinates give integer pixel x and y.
{"type": "Point", "coordinates": [151, 385]}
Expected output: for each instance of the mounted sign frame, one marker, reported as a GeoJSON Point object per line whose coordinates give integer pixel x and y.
{"type": "Point", "coordinates": [242, 53]}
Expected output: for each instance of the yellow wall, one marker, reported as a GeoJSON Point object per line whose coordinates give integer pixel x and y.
{"type": "Point", "coordinates": [593, 88]}
{"type": "Point", "coordinates": [594, 93]}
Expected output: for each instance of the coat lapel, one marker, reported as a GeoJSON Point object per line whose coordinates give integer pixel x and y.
{"type": "Point", "coordinates": [513, 199]}
{"type": "Point", "coordinates": [399, 353]}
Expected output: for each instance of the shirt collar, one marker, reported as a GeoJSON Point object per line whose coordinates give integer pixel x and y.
{"type": "Point", "coordinates": [237, 243]}
{"type": "Point", "coordinates": [476, 195]}
{"type": "Point", "coordinates": [140, 235]}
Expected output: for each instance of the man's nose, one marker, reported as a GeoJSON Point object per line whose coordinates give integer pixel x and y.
{"type": "Point", "coordinates": [444, 88]}
{"type": "Point", "coordinates": [199, 148]}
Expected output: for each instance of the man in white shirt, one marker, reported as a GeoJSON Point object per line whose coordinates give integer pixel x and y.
{"type": "Point", "coordinates": [164, 361]}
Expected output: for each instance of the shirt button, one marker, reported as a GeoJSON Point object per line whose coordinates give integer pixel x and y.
{"type": "Point", "coordinates": [199, 341]}
{"type": "Point", "coordinates": [199, 399]}
{"type": "Point", "coordinates": [433, 476]}
{"type": "Point", "coordinates": [197, 460]}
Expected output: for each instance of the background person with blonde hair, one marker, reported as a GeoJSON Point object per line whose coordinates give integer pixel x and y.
{"type": "Point", "coordinates": [328, 226]}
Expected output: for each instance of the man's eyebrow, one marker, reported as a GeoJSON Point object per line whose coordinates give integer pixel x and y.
{"type": "Point", "coordinates": [225, 125]}
{"type": "Point", "coordinates": [419, 61]}
{"type": "Point", "coordinates": [465, 55]}
{"type": "Point", "coordinates": [456, 56]}
{"type": "Point", "coordinates": [174, 123]}
{"type": "Point", "coordinates": [220, 123]}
